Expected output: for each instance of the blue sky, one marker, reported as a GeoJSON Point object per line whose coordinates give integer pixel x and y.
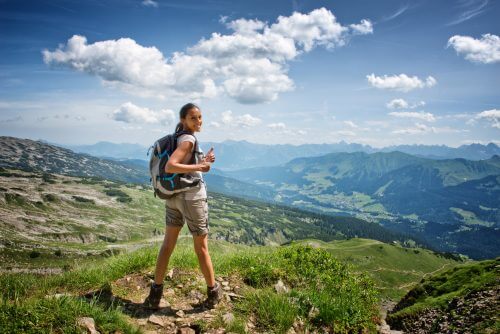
{"type": "Point", "coordinates": [373, 72]}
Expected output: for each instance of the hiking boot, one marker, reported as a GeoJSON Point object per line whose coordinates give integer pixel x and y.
{"type": "Point", "coordinates": [214, 295]}
{"type": "Point", "coordinates": [153, 300]}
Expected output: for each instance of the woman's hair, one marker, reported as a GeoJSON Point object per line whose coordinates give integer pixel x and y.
{"type": "Point", "coordinates": [183, 113]}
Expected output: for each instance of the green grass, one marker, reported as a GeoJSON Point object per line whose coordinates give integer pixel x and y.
{"type": "Point", "coordinates": [393, 268]}
{"type": "Point", "coordinates": [59, 315]}
{"type": "Point", "coordinates": [437, 290]}
{"type": "Point", "coordinates": [315, 278]}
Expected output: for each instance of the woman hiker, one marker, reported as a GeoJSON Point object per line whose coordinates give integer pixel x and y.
{"type": "Point", "coordinates": [189, 206]}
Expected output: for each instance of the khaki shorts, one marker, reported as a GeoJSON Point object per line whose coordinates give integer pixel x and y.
{"type": "Point", "coordinates": [193, 212]}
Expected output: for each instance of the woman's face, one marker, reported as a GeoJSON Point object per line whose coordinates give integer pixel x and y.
{"type": "Point", "coordinates": [193, 121]}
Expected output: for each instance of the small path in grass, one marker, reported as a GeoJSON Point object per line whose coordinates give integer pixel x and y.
{"type": "Point", "coordinates": [180, 308]}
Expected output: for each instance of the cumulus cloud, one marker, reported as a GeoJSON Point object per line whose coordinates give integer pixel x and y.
{"type": "Point", "coordinates": [397, 104]}
{"type": "Point", "coordinates": [249, 64]}
{"type": "Point", "coordinates": [245, 27]}
{"type": "Point", "coordinates": [243, 121]}
{"type": "Point", "coordinates": [492, 116]}
{"type": "Point", "coordinates": [130, 113]}
{"type": "Point", "coordinates": [401, 82]}
{"type": "Point", "coordinates": [425, 116]}
{"type": "Point", "coordinates": [485, 50]}
{"type": "Point", "coordinates": [363, 28]}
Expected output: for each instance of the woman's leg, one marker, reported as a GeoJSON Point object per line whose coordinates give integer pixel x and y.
{"type": "Point", "coordinates": [169, 241]}
{"type": "Point", "coordinates": [201, 250]}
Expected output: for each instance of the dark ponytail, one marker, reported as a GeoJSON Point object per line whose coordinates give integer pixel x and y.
{"type": "Point", "coordinates": [183, 113]}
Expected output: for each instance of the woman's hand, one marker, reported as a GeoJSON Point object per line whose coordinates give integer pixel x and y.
{"type": "Point", "coordinates": [210, 157]}
{"type": "Point", "coordinates": [204, 167]}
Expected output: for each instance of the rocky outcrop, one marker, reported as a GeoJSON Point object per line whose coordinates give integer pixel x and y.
{"type": "Point", "coordinates": [475, 312]}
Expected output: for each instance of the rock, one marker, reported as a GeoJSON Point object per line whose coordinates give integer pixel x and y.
{"type": "Point", "coordinates": [225, 283]}
{"type": "Point", "coordinates": [226, 288]}
{"type": "Point", "coordinates": [170, 273]}
{"type": "Point", "coordinates": [186, 330]}
{"type": "Point", "coordinates": [280, 287]}
{"type": "Point", "coordinates": [142, 322]}
{"type": "Point", "coordinates": [180, 314]}
{"type": "Point", "coordinates": [58, 295]}
{"type": "Point", "coordinates": [88, 323]}
{"type": "Point", "coordinates": [138, 287]}
{"type": "Point", "coordinates": [179, 286]}
{"type": "Point", "coordinates": [228, 318]}
{"type": "Point", "coordinates": [313, 312]}
{"type": "Point", "coordinates": [169, 292]}
{"type": "Point", "coordinates": [127, 279]}
{"type": "Point", "coordinates": [234, 295]}
{"type": "Point", "coordinates": [154, 319]}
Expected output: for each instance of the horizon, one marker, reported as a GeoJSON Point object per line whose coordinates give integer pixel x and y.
{"type": "Point", "coordinates": [254, 143]}
{"type": "Point", "coordinates": [377, 74]}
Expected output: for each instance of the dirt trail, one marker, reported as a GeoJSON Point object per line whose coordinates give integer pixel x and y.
{"type": "Point", "coordinates": [181, 308]}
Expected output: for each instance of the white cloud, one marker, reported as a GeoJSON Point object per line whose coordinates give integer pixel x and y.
{"type": "Point", "coordinates": [130, 113]}
{"type": "Point", "coordinates": [319, 27]}
{"type": "Point", "coordinates": [244, 121]}
{"type": "Point", "coordinates": [401, 82]}
{"type": "Point", "coordinates": [246, 27]}
{"type": "Point", "coordinates": [121, 60]}
{"type": "Point", "coordinates": [422, 128]}
{"type": "Point", "coordinates": [215, 124]}
{"type": "Point", "coordinates": [492, 115]}
{"type": "Point", "coordinates": [249, 65]}
{"type": "Point", "coordinates": [149, 3]}
{"type": "Point", "coordinates": [425, 116]}
{"type": "Point", "coordinates": [277, 126]}
{"type": "Point", "coordinates": [351, 124]}
{"type": "Point", "coordinates": [485, 50]}
{"type": "Point", "coordinates": [397, 104]}
{"type": "Point", "coordinates": [363, 28]}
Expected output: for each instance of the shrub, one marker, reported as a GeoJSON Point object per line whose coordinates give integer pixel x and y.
{"type": "Point", "coordinates": [83, 199]}
{"type": "Point", "coordinates": [345, 301]}
{"type": "Point", "coordinates": [34, 254]}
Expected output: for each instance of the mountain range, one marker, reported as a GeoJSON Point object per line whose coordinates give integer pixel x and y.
{"type": "Point", "coordinates": [452, 204]}
{"type": "Point", "coordinates": [233, 155]}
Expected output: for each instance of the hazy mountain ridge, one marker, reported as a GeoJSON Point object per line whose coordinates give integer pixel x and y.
{"type": "Point", "coordinates": [232, 155]}
{"type": "Point", "coordinates": [37, 156]}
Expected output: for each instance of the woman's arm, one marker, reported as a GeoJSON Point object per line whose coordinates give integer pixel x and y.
{"type": "Point", "coordinates": [174, 164]}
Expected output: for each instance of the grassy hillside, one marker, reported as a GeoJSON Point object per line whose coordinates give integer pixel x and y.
{"type": "Point", "coordinates": [465, 298]}
{"type": "Point", "coordinates": [48, 220]}
{"type": "Point", "coordinates": [393, 268]}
